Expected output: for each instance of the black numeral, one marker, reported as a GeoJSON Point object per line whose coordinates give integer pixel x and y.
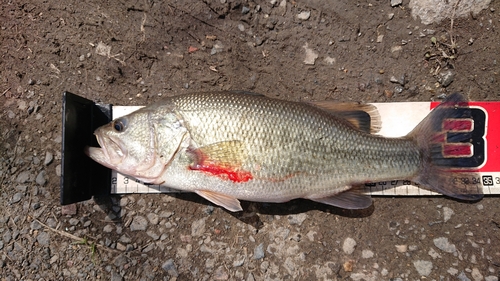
{"type": "Point", "coordinates": [487, 180]}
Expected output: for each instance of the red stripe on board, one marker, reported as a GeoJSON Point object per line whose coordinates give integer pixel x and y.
{"type": "Point", "coordinates": [457, 150]}
{"type": "Point", "coordinates": [458, 125]}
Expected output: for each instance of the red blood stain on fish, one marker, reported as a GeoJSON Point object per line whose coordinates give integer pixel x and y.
{"type": "Point", "coordinates": [223, 172]}
{"type": "Point", "coordinates": [217, 166]}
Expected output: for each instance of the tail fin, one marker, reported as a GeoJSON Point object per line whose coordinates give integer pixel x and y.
{"type": "Point", "coordinates": [443, 138]}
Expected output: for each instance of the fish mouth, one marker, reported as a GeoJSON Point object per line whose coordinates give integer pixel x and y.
{"type": "Point", "coordinates": [110, 153]}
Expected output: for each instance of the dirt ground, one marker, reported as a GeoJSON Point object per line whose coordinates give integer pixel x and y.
{"type": "Point", "coordinates": [135, 52]}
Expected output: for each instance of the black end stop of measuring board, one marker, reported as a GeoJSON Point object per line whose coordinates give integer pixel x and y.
{"type": "Point", "coordinates": [81, 177]}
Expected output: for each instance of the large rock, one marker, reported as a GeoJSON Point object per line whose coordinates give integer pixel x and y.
{"type": "Point", "coordinates": [430, 11]}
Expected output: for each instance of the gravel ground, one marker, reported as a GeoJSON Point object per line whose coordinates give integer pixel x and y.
{"type": "Point", "coordinates": [136, 52]}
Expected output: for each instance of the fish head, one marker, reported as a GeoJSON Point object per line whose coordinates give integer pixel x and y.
{"type": "Point", "coordinates": [140, 144]}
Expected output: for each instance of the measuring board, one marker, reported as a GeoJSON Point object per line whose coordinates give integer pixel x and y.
{"type": "Point", "coordinates": [398, 119]}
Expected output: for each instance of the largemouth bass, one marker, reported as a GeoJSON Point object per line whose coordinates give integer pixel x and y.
{"type": "Point", "coordinates": [231, 146]}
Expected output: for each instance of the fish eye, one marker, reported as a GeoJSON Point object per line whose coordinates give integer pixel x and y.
{"type": "Point", "coordinates": [120, 124]}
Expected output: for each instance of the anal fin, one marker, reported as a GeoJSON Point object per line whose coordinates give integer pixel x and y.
{"type": "Point", "coordinates": [228, 202]}
{"type": "Point", "coordinates": [352, 199]}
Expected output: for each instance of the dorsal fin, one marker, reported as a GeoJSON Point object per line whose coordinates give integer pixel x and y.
{"type": "Point", "coordinates": [364, 117]}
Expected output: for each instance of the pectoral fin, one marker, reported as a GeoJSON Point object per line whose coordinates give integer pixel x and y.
{"type": "Point", "coordinates": [230, 203]}
{"type": "Point", "coordinates": [225, 153]}
{"type": "Point", "coordinates": [351, 199]}
{"type": "Point", "coordinates": [222, 159]}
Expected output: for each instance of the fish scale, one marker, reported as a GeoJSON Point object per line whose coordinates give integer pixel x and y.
{"type": "Point", "coordinates": [301, 138]}
{"type": "Point", "coordinates": [227, 146]}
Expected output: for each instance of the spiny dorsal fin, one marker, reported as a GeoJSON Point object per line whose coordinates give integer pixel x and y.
{"type": "Point", "coordinates": [364, 117]}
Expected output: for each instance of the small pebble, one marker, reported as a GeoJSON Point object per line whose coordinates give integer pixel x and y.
{"type": "Point", "coordinates": [35, 225]}
{"type": "Point", "coordinates": [210, 263]}
{"type": "Point", "coordinates": [153, 218]}
{"type": "Point", "coordinates": [366, 254]}
{"type": "Point", "coordinates": [73, 221]}
{"type": "Point", "coordinates": [51, 222]}
{"type": "Point", "coordinates": [139, 223]}
{"type": "Point", "coordinates": [120, 247]}
{"type": "Point", "coordinates": [217, 48]}
{"type": "Point", "coordinates": [43, 238]}
{"type": "Point", "coordinates": [401, 248]}
{"type": "Point", "coordinates": [221, 273]}
{"type": "Point", "coordinates": [349, 245]}
{"type": "Point", "coordinates": [16, 198]}
{"type": "Point", "coordinates": [7, 236]}
{"type": "Point", "coordinates": [170, 268]}
{"type": "Point", "coordinates": [311, 55]}
{"type": "Point", "coordinates": [395, 3]}
{"type": "Point", "coordinates": [153, 235]}
{"type": "Point", "coordinates": [108, 228]}
{"type": "Point", "coordinates": [40, 178]}
{"type": "Point", "coordinates": [36, 205]}
{"type": "Point", "coordinates": [23, 177]}
{"type": "Point", "coordinates": [310, 235]}
{"type": "Point", "coordinates": [239, 261]}
{"type": "Point", "coordinates": [115, 276]}
{"type": "Point", "coordinates": [125, 239]}
{"type": "Point", "coordinates": [463, 277]}
{"type": "Point", "coordinates": [48, 158]}
{"type": "Point", "coordinates": [68, 210]}
{"type": "Point", "coordinates": [120, 260]}
{"type": "Point", "coordinates": [348, 265]}
{"type": "Point", "coordinates": [446, 78]}
{"type": "Point", "coordinates": [297, 219]}
{"type": "Point", "coordinates": [304, 15]}
{"type": "Point", "coordinates": [423, 268]}
{"type": "Point", "coordinates": [198, 227]}
{"type": "Point", "coordinates": [258, 252]}
{"type": "Point", "coordinates": [443, 244]}
{"type": "Point", "coordinates": [447, 213]}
